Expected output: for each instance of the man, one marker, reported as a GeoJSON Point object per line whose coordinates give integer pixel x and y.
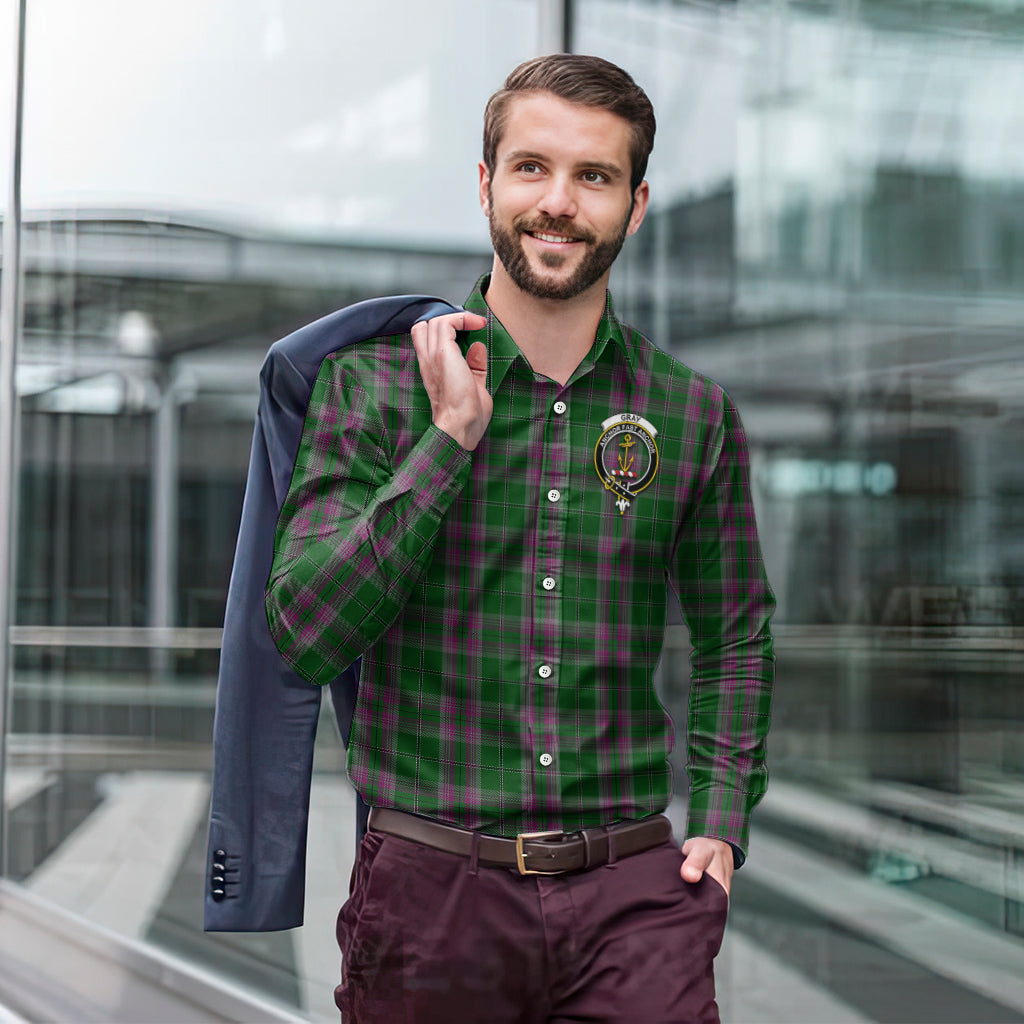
{"type": "Point", "coordinates": [492, 517]}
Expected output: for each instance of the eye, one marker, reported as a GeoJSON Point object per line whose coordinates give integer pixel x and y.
{"type": "Point", "coordinates": [529, 167]}
{"type": "Point", "coordinates": [594, 177]}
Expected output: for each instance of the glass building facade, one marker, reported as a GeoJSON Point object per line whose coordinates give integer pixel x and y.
{"type": "Point", "coordinates": [836, 235]}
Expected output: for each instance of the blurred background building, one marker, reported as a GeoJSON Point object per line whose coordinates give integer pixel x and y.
{"type": "Point", "coordinates": [836, 235]}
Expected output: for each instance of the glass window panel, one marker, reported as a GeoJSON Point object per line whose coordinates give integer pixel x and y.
{"type": "Point", "coordinates": [8, 54]}
{"type": "Point", "coordinates": [835, 236]}
{"type": "Point", "coordinates": [330, 119]}
{"type": "Point", "coordinates": [200, 179]}
{"type": "Point", "coordinates": [8, 23]}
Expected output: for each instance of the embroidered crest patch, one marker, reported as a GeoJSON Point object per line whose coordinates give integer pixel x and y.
{"type": "Point", "coordinates": [626, 456]}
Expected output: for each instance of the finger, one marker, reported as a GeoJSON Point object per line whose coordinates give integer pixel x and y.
{"type": "Point", "coordinates": [424, 334]}
{"type": "Point", "coordinates": [472, 321]}
{"type": "Point", "coordinates": [419, 344]}
{"type": "Point", "coordinates": [463, 320]}
{"type": "Point", "coordinates": [420, 340]}
{"type": "Point", "coordinates": [441, 331]}
{"type": "Point", "coordinates": [425, 359]}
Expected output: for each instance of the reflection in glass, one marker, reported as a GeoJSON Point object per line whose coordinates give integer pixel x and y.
{"type": "Point", "coordinates": [201, 178]}
{"type": "Point", "coordinates": [836, 237]}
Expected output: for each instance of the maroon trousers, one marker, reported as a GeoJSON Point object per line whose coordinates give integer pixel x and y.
{"type": "Point", "coordinates": [432, 938]}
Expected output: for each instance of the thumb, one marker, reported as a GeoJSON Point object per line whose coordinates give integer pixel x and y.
{"type": "Point", "coordinates": [477, 357]}
{"type": "Point", "coordinates": [694, 864]}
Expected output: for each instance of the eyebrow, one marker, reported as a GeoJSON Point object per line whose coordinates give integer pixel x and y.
{"type": "Point", "coordinates": [613, 171]}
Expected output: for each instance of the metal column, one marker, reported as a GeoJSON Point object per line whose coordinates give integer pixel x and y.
{"type": "Point", "coordinates": [554, 26]}
{"type": "Point", "coordinates": [163, 549]}
{"type": "Point", "coordinates": [10, 310]}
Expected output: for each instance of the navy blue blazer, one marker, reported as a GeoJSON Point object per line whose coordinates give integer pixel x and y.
{"type": "Point", "coordinates": [266, 714]}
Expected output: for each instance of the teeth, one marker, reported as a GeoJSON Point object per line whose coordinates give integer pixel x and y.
{"type": "Point", "coordinates": [551, 238]}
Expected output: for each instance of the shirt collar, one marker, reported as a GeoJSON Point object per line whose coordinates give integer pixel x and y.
{"type": "Point", "coordinates": [502, 351]}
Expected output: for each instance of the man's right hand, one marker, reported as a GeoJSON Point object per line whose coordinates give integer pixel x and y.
{"type": "Point", "coordinates": [457, 386]}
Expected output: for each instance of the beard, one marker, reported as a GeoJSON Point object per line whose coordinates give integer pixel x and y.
{"type": "Point", "coordinates": [599, 255]}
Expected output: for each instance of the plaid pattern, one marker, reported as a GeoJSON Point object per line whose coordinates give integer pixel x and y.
{"type": "Point", "coordinates": [489, 699]}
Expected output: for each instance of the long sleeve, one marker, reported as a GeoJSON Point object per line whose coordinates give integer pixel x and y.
{"type": "Point", "coordinates": [727, 602]}
{"type": "Point", "coordinates": [356, 531]}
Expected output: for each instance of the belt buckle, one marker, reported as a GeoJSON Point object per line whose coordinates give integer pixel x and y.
{"type": "Point", "coordinates": [521, 856]}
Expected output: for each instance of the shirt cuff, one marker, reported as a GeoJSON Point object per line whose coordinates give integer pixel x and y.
{"type": "Point", "coordinates": [721, 814]}
{"type": "Point", "coordinates": [435, 470]}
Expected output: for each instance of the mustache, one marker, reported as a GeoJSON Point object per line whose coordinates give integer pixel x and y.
{"type": "Point", "coordinates": [552, 226]}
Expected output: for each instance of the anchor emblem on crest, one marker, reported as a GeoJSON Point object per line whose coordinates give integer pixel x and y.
{"type": "Point", "coordinates": [626, 456]}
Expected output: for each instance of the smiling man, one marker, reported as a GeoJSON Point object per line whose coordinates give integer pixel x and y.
{"type": "Point", "coordinates": [492, 514]}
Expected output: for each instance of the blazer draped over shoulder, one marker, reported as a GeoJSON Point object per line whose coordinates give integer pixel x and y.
{"type": "Point", "coordinates": [266, 714]}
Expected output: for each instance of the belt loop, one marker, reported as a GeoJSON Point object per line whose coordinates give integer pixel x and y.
{"type": "Point", "coordinates": [474, 854]}
{"type": "Point", "coordinates": [611, 847]}
{"type": "Point", "coordinates": [586, 848]}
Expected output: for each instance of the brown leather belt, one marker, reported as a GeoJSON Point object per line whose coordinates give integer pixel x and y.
{"type": "Point", "coordinates": [530, 853]}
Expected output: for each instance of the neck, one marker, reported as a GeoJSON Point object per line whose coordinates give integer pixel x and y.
{"type": "Point", "coordinates": [553, 334]}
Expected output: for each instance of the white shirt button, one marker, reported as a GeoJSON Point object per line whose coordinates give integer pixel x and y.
{"type": "Point", "coordinates": [544, 671]}
{"type": "Point", "coordinates": [548, 583]}
{"type": "Point", "coordinates": [560, 407]}
{"type": "Point", "coordinates": [545, 759]}
{"type": "Point", "coordinates": [554, 494]}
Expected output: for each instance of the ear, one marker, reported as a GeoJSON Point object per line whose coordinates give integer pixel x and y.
{"type": "Point", "coordinates": [485, 182]}
{"type": "Point", "coordinates": [640, 199]}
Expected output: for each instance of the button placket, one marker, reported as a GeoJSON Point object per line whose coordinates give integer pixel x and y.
{"type": "Point", "coordinates": [551, 531]}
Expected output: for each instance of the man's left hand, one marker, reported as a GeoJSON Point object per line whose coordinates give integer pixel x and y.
{"type": "Point", "coordinates": [711, 855]}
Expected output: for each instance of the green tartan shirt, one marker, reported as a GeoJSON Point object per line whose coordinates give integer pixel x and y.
{"type": "Point", "coordinates": [509, 603]}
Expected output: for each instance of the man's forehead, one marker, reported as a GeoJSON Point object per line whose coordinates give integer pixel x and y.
{"type": "Point", "coordinates": [535, 118]}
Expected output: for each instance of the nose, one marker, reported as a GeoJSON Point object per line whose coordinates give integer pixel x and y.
{"type": "Point", "coordinates": [559, 198]}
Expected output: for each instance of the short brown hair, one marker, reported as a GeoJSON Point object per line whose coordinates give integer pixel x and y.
{"type": "Point", "coordinates": [575, 77]}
